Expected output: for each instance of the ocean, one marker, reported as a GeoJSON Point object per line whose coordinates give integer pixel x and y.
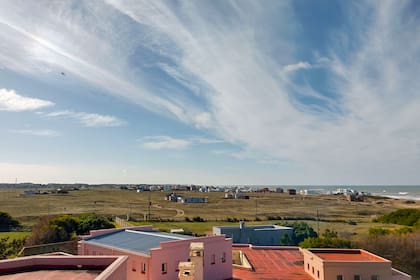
{"type": "Point", "coordinates": [393, 191]}
{"type": "Point", "coordinates": [399, 192]}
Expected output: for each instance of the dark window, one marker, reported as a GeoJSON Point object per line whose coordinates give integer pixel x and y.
{"type": "Point", "coordinates": [223, 257]}
{"type": "Point", "coordinates": [143, 267]}
{"type": "Point", "coordinates": [213, 259]}
{"type": "Point", "coordinates": [340, 277]}
{"type": "Point", "coordinates": [374, 277]}
{"type": "Point", "coordinates": [164, 268]}
{"type": "Point", "coordinates": [356, 277]}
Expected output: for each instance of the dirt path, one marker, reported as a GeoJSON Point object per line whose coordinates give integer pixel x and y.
{"type": "Point", "coordinates": [179, 212]}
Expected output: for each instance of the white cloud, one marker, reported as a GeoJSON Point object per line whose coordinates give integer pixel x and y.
{"type": "Point", "coordinates": [12, 101]}
{"type": "Point", "coordinates": [365, 133]}
{"type": "Point", "coordinates": [165, 142]}
{"type": "Point", "coordinates": [297, 66]}
{"type": "Point", "coordinates": [38, 132]}
{"type": "Point", "coordinates": [89, 119]}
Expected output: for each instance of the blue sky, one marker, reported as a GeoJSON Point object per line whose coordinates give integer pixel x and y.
{"type": "Point", "coordinates": [210, 92]}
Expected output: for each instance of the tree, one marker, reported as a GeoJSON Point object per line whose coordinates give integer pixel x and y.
{"type": "Point", "coordinates": [93, 221]}
{"type": "Point", "coordinates": [329, 239]}
{"type": "Point", "coordinates": [65, 228]}
{"type": "Point", "coordinates": [7, 223]}
{"type": "Point", "coordinates": [301, 231]}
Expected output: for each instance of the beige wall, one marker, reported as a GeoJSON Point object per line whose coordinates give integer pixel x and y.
{"type": "Point", "coordinates": [329, 270]}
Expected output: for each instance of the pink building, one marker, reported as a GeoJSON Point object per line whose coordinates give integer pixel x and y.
{"type": "Point", "coordinates": [354, 264]}
{"type": "Point", "coordinates": [156, 255]}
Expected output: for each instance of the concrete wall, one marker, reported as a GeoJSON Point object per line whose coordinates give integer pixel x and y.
{"type": "Point", "coordinates": [254, 235]}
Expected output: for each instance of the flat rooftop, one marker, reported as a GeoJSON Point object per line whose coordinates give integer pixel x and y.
{"type": "Point", "coordinates": [346, 255]}
{"type": "Point", "coordinates": [136, 241]}
{"type": "Point", "coordinates": [283, 263]}
{"type": "Point", "coordinates": [53, 275]}
{"type": "Point", "coordinates": [48, 267]}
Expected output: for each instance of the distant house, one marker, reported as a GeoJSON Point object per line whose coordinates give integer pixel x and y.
{"type": "Point", "coordinates": [263, 235]}
{"type": "Point", "coordinates": [194, 200]}
{"type": "Point", "coordinates": [279, 190]}
{"type": "Point", "coordinates": [355, 197]}
{"type": "Point", "coordinates": [291, 191]}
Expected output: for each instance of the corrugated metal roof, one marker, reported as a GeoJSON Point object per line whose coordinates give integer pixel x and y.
{"type": "Point", "coordinates": [137, 241]}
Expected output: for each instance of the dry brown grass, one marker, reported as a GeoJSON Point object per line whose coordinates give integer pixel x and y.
{"type": "Point", "coordinates": [111, 201]}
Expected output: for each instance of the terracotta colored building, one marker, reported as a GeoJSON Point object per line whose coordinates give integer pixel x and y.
{"type": "Point", "coordinates": [156, 255]}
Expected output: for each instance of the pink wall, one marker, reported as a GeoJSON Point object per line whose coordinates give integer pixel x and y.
{"type": "Point", "coordinates": [134, 263]}
{"type": "Point", "coordinates": [171, 253]}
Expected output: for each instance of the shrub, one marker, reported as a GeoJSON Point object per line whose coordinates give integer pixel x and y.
{"type": "Point", "coordinates": [7, 223]}
{"type": "Point", "coordinates": [405, 217]}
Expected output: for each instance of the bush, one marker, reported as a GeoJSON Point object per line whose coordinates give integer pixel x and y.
{"type": "Point", "coordinates": [64, 228]}
{"type": "Point", "coordinates": [10, 248]}
{"type": "Point", "coordinates": [325, 242]}
{"type": "Point", "coordinates": [405, 217]}
{"type": "Point", "coordinates": [7, 223]}
{"type": "Point", "coordinates": [198, 219]}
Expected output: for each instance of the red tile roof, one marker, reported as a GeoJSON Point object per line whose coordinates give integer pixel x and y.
{"type": "Point", "coordinates": [272, 263]}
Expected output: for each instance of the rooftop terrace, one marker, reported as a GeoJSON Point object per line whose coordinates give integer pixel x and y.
{"type": "Point", "coordinates": [271, 263]}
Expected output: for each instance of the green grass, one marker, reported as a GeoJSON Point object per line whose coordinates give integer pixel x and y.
{"type": "Point", "coordinates": [15, 234]}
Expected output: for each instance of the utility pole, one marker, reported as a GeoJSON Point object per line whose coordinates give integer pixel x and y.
{"type": "Point", "coordinates": [149, 206]}
{"type": "Point", "coordinates": [317, 221]}
{"type": "Point", "coordinates": [256, 207]}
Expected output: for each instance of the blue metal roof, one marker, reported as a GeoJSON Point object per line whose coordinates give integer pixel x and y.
{"type": "Point", "coordinates": [137, 241]}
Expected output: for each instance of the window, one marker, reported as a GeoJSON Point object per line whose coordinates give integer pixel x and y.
{"type": "Point", "coordinates": [164, 268]}
{"type": "Point", "coordinates": [223, 257]}
{"type": "Point", "coordinates": [308, 266]}
{"type": "Point", "coordinates": [143, 267]}
{"type": "Point", "coordinates": [213, 259]}
{"type": "Point", "coordinates": [356, 277]}
{"type": "Point", "coordinates": [374, 277]}
{"type": "Point", "coordinates": [340, 277]}
{"type": "Point", "coordinates": [317, 273]}
{"type": "Point", "coordinates": [133, 266]}
{"type": "Point", "coordinates": [313, 270]}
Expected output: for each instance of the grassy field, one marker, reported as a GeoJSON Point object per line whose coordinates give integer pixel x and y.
{"type": "Point", "coordinates": [15, 234]}
{"type": "Point", "coordinates": [334, 211]}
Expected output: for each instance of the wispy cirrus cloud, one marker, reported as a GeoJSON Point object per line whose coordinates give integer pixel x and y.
{"type": "Point", "coordinates": [10, 100]}
{"type": "Point", "coordinates": [88, 119]}
{"type": "Point", "coordinates": [221, 68]}
{"type": "Point", "coordinates": [167, 142]}
{"type": "Point", "coordinates": [37, 132]}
